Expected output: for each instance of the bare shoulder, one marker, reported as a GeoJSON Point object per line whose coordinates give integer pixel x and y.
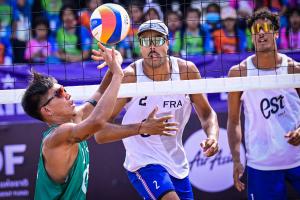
{"type": "Point", "coordinates": [59, 136]}
{"type": "Point", "coordinates": [293, 66]}
{"type": "Point", "coordinates": [238, 70]}
{"type": "Point", "coordinates": [188, 70]}
{"type": "Point", "coordinates": [130, 74]}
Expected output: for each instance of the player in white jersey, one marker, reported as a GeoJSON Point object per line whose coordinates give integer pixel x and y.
{"type": "Point", "coordinates": [157, 166]}
{"type": "Point", "coordinates": [272, 117]}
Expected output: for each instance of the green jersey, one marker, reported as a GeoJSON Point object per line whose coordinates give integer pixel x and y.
{"type": "Point", "coordinates": [74, 187]}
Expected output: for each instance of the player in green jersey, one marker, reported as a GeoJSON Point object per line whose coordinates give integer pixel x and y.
{"type": "Point", "coordinates": [64, 158]}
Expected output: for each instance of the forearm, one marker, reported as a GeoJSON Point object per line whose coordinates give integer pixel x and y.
{"type": "Point", "coordinates": [105, 106]}
{"type": "Point", "coordinates": [104, 84]}
{"type": "Point", "coordinates": [114, 132]}
{"type": "Point", "coordinates": [234, 134]}
{"type": "Point", "coordinates": [210, 126]}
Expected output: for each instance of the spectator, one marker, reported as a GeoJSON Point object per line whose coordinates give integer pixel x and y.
{"type": "Point", "coordinates": [38, 48]}
{"type": "Point", "coordinates": [21, 28]}
{"type": "Point", "coordinates": [85, 16]}
{"type": "Point", "coordinates": [173, 21]}
{"type": "Point", "coordinates": [8, 16]}
{"type": "Point", "coordinates": [52, 8]}
{"type": "Point", "coordinates": [153, 11]}
{"type": "Point", "coordinates": [86, 13]}
{"type": "Point", "coordinates": [290, 35]}
{"type": "Point", "coordinates": [212, 17]}
{"type": "Point", "coordinates": [74, 41]}
{"type": "Point", "coordinates": [23, 22]}
{"type": "Point", "coordinates": [5, 52]}
{"type": "Point", "coordinates": [244, 11]}
{"type": "Point", "coordinates": [194, 39]}
{"type": "Point", "coordinates": [137, 18]}
{"type": "Point", "coordinates": [229, 39]}
{"type": "Point", "coordinates": [277, 6]}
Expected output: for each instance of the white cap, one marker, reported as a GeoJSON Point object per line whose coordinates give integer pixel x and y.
{"type": "Point", "coordinates": [153, 25]}
{"type": "Point", "coordinates": [228, 12]}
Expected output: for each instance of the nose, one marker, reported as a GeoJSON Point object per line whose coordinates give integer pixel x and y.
{"type": "Point", "coordinates": [261, 32]}
{"type": "Point", "coordinates": [68, 96]}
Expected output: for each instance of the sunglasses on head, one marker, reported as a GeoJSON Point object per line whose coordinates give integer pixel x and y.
{"type": "Point", "coordinates": [59, 93]}
{"type": "Point", "coordinates": [266, 27]}
{"type": "Point", "coordinates": [156, 41]}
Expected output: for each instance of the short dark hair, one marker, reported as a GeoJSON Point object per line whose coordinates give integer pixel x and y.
{"type": "Point", "coordinates": [65, 7]}
{"type": "Point", "coordinates": [39, 21]}
{"type": "Point", "coordinates": [38, 87]}
{"type": "Point", "coordinates": [264, 13]}
{"type": "Point", "coordinates": [192, 10]}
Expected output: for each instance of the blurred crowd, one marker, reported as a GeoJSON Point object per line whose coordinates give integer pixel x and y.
{"type": "Point", "coordinates": [55, 31]}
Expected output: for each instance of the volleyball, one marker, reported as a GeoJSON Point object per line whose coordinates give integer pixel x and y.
{"type": "Point", "coordinates": [110, 23]}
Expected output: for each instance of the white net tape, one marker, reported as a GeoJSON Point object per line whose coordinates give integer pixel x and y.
{"type": "Point", "coordinates": [213, 85]}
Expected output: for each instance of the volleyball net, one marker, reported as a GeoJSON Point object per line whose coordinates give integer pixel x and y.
{"type": "Point", "coordinates": [196, 34]}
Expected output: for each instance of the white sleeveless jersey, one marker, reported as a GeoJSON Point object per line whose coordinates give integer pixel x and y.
{"type": "Point", "coordinates": [269, 115]}
{"type": "Point", "coordinates": [167, 151]}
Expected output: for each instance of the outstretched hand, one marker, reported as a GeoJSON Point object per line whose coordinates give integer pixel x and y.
{"type": "Point", "coordinates": [98, 55]}
{"type": "Point", "coordinates": [109, 56]}
{"type": "Point", "coordinates": [210, 146]}
{"type": "Point", "coordinates": [158, 125]}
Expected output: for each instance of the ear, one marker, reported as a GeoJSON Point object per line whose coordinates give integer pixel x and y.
{"type": "Point", "coordinates": [45, 111]}
{"type": "Point", "coordinates": [168, 43]}
{"type": "Point", "coordinates": [276, 35]}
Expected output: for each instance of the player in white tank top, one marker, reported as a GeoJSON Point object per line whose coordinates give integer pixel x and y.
{"type": "Point", "coordinates": [272, 117]}
{"type": "Point", "coordinates": [157, 165]}
{"type": "Point", "coordinates": [166, 151]}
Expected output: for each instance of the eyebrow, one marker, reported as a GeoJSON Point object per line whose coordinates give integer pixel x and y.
{"type": "Point", "coordinates": [151, 36]}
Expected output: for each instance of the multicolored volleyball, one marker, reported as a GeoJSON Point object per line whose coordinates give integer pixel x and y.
{"type": "Point", "coordinates": [110, 23]}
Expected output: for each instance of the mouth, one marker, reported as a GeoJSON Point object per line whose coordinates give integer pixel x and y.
{"type": "Point", "coordinates": [72, 103]}
{"type": "Point", "coordinates": [262, 40]}
{"type": "Point", "coordinates": [154, 55]}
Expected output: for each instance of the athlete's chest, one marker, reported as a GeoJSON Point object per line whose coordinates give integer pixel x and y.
{"type": "Point", "coordinates": [164, 103]}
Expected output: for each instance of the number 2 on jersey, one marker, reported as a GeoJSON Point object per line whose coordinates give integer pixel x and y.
{"type": "Point", "coordinates": [142, 101]}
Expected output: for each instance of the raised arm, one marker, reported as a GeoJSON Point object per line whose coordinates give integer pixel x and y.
{"type": "Point", "coordinates": [72, 132]}
{"type": "Point", "coordinates": [88, 106]}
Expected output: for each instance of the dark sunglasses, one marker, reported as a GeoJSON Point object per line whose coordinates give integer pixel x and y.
{"type": "Point", "coordinates": [156, 41]}
{"type": "Point", "coordinates": [266, 27]}
{"type": "Point", "coordinates": [59, 93]}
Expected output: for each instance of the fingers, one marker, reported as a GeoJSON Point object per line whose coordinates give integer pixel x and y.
{"type": "Point", "coordinates": [101, 65]}
{"type": "Point", "coordinates": [153, 113]}
{"type": "Point", "coordinates": [113, 54]}
{"type": "Point", "coordinates": [171, 123]}
{"type": "Point", "coordinates": [293, 138]}
{"type": "Point", "coordinates": [171, 128]}
{"type": "Point", "coordinates": [95, 52]}
{"type": "Point", "coordinates": [240, 186]}
{"type": "Point", "coordinates": [238, 170]}
{"type": "Point", "coordinates": [210, 147]}
{"type": "Point", "coordinates": [165, 118]}
{"type": "Point", "coordinates": [101, 47]}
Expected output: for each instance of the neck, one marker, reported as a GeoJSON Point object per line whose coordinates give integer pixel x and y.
{"type": "Point", "coordinates": [266, 60]}
{"type": "Point", "coordinates": [230, 32]}
{"type": "Point", "coordinates": [57, 121]}
{"type": "Point", "coordinates": [40, 39]}
{"type": "Point", "coordinates": [295, 29]}
{"type": "Point", "coordinates": [192, 30]}
{"type": "Point", "coordinates": [161, 73]}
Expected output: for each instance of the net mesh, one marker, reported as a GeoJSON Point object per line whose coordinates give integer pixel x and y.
{"type": "Point", "coordinates": [53, 37]}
